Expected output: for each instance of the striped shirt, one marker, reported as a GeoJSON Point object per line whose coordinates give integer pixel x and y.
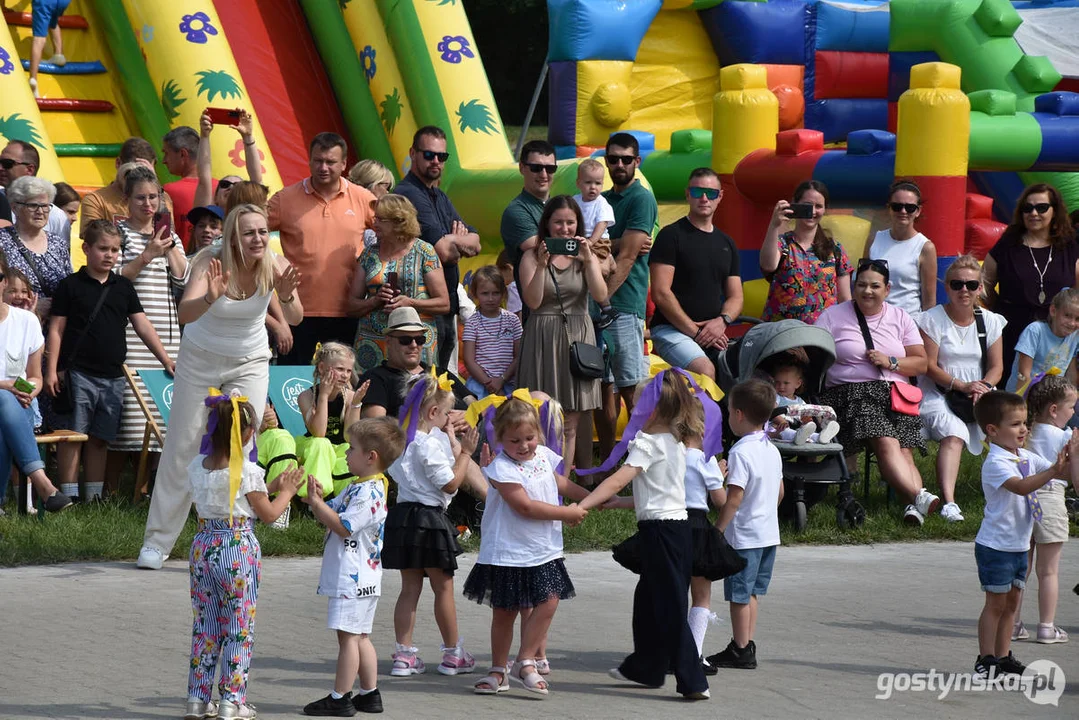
{"type": "Point", "coordinates": [494, 338]}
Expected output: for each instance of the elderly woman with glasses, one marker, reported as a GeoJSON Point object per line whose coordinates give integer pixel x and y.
{"type": "Point", "coordinates": [964, 351]}
{"type": "Point", "coordinates": [911, 256]}
{"type": "Point", "coordinates": [399, 270]}
{"type": "Point", "coordinates": [877, 347]}
{"type": "Point", "coordinates": [1035, 258]}
{"type": "Point", "coordinates": [43, 257]}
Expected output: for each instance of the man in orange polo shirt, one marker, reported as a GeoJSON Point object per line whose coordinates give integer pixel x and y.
{"type": "Point", "coordinates": [322, 219]}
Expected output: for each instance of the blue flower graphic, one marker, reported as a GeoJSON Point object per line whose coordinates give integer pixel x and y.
{"type": "Point", "coordinates": [147, 33]}
{"type": "Point", "coordinates": [453, 47]}
{"type": "Point", "coordinates": [367, 59]}
{"type": "Point", "coordinates": [197, 27]}
{"type": "Point", "coordinates": [6, 66]}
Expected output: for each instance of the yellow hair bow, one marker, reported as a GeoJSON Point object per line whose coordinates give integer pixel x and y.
{"type": "Point", "coordinates": [318, 350]}
{"type": "Point", "coordinates": [443, 380]}
{"type": "Point", "coordinates": [477, 409]}
{"type": "Point", "coordinates": [708, 385]}
{"type": "Point", "coordinates": [236, 443]}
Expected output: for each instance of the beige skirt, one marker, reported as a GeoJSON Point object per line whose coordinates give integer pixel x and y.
{"type": "Point", "coordinates": [1053, 527]}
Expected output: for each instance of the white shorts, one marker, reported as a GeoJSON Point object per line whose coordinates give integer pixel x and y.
{"type": "Point", "coordinates": [352, 615]}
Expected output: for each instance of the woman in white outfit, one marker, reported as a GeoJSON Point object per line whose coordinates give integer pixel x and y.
{"type": "Point", "coordinates": [954, 351]}
{"type": "Point", "coordinates": [224, 346]}
{"type": "Point", "coordinates": [911, 256]}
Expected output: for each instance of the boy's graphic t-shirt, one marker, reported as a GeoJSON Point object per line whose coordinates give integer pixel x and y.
{"type": "Point", "coordinates": [1052, 354]}
{"type": "Point", "coordinates": [352, 566]}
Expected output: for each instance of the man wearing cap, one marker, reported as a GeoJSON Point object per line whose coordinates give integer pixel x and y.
{"type": "Point", "coordinates": [206, 223]}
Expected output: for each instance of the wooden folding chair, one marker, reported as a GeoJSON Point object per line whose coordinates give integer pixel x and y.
{"type": "Point", "coordinates": [152, 431]}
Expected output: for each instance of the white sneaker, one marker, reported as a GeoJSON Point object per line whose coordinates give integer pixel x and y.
{"type": "Point", "coordinates": [33, 87]}
{"type": "Point", "coordinates": [150, 558]}
{"type": "Point", "coordinates": [228, 710]}
{"type": "Point", "coordinates": [803, 432]}
{"type": "Point", "coordinates": [58, 60]}
{"type": "Point", "coordinates": [926, 502]}
{"type": "Point", "coordinates": [912, 517]}
{"type": "Point", "coordinates": [199, 710]}
{"type": "Point", "coordinates": [828, 432]}
{"type": "Point", "coordinates": [952, 513]}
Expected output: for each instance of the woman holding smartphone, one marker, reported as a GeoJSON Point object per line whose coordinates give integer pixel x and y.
{"type": "Point", "coordinates": [807, 269]}
{"type": "Point", "coordinates": [399, 270]}
{"type": "Point", "coordinates": [152, 257]}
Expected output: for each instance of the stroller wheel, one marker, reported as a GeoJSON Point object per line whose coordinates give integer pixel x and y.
{"type": "Point", "coordinates": [800, 519]}
{"type": "Point", "coordinates": [849, 512]}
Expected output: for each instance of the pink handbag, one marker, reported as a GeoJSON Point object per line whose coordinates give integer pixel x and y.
{"type": "Point", "coordinates": [905, 398]}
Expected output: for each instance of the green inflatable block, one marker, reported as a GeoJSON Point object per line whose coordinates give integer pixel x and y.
{"type": "Point", "coordinates": [993, 102]}
{"type": "Point", "coordinates": [997, 18]}
{"type": "Point", "coordinates": [668, 172]}
{"type": "Point", "coordinates": [1036, 74]}
{"type": "Point", "coordinates": [1004, 142]}
{"type": "Point", "coordinates": [689, 141]}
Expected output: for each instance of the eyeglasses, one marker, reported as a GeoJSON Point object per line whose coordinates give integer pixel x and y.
{"type": "Point", "coordinates": [880, 266]}
{"type": "Point", "coordinates": [407, 340]}
{"type": "Point", "coordinates": [698, 192]}
{"type": "Point", "coordinates": [386, 185]}
{"type": "Point", "coordinates": [8, 163]}
{"type": "Point", "coordinates": [430, 155]}
{"type": "Point", "coordinates": [540, 167]}
{"type": "Point", "coordinates": [908, 208]}
{"type": "Point", "coordinates": [1040, 208]}
{"type": "Point", "coordinates": [621, 159]}
{"type": "Point", "coordinates": [35, 207]}
{"type": "Point", "coordinates": [958, 285]}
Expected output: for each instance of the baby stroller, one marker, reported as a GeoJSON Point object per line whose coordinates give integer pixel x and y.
{"type": "Point", "coordinates": [815, 465]}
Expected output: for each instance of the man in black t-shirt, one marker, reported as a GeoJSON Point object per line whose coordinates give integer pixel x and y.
{"type": "Point", "coordinates": [696, 281]}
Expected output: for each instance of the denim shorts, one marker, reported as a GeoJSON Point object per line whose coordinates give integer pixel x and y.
{"type": "Point", "coordinates": [754, 579]}
{"type": "Point", "coordinates": [98, 402]}
{"type": "Point", "coordinates": [998, 570]}
{"type": "Point", "coordinates": [674, 346]}
{"type": "Point", "coordinates": [627, 365]}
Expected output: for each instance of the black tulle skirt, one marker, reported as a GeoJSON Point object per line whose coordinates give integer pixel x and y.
{"type": "Point", "coordinates": [511, 588]}
{"type": "Point", "coordinates": [713, 558]}
{"type": "Point", "coordinates": [418, 536]}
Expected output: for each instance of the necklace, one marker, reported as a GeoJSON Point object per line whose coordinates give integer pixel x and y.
{"type": "Point", "coordinates": [1041, 272]}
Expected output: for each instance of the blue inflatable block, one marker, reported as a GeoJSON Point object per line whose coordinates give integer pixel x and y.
{"type": "Point", "coordinates": [565, 152]}
{"type": "Point", "coordinates": [748, 260]}
{"type": "Point", "coordinates": [1042, 4]}
{"type": "Point", "coordinates": [856, 179]}
{"type": "Point", "coordinates": [562, 105]}
{"type": "Point", "coordinates": [1060, 142]}
{"type": "Point", "coordinates": [598, 29]}
{"type": "Point", "coordinates": [751, 32]}
{"type": "Point", "coordinates": [72, 68]}
{"type": "Point", "coordinates": [899, 65]}
{"type": "Point", "coordinates": [837, 118]}
{"type": "Point", "coordinates": [646, 141]}
{"type": "Point", "coordinates": [844, 29]}
{"type": "Point", "coordinates": [1057, 103]}
{"type": "Point", "coordinates": [870, 142]}
{"type": "Point", "coordinates": [1005, 189]}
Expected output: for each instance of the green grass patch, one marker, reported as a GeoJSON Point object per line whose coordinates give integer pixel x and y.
{"type": "Point", "coordinates": [535, 132]}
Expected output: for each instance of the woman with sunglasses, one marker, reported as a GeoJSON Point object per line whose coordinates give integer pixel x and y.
{"type": "Point", "coordinates": [807, 269]}
{"type": "Point", "coordinates": [911, 256]}
{"type": "Point", "coordinates": [1035, 258]}
{"type": "Point", "coordinates": [43, 257]}
{"type": "Point", "coordinates": [858, 384]}
{"type": "Point", "coordinates": [957, 369]}
{"type": "Point", "coordinates": [399, 270]}
{"type": "Point", "coordinates": [210, 193]}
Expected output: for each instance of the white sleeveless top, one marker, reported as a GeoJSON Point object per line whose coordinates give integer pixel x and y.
{"type": "Point", "coordinates": [234, 328]}
{"type": "Point", "coordinates": [902, 257]}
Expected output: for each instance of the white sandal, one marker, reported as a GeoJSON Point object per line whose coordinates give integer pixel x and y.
{"type": "Point", "coordinates": [531, 681]}
{"type": "Point", "coordinates": [543, 666]}
{"type": "Point", "coordinates": [492, 684]}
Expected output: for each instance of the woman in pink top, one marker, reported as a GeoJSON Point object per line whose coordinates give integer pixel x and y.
{"type": "Point", "coordinates": [858, 384]}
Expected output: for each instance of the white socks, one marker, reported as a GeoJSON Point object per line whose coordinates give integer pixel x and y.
{"type": "Point", "coordinates": [698, 625]}
{"type": "Point", "coordinates": [336, 695]}
{"type": "Point", "coordinates": [366, 692]}
{"type": "Point", "coordinates": [70, 489]}
{"type": "Point", "coordinates": [93, 490]}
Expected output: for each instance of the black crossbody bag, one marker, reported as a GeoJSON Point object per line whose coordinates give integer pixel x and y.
{"type": "Point", "coordinates": [961, 404]}
{"type": "Point", "coordinates": [585, 359]}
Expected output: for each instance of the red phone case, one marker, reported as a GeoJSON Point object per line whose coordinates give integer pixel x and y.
{"type": "Point", "coordinates": [223, 116]}
{"type": "Point", "coordinates": [163, 219]}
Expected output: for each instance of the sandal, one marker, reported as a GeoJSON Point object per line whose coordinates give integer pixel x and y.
{"type": "Point", "coordinates": [533, 681]}
{"type": "Point", "coordinates": [492, 684]}
{"type": "Point", "coordinates": [543, 666]}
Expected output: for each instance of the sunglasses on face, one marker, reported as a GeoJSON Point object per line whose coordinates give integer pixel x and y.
{"type": "Point", "coordinates": [880, 266]}
{"type": "Point", "coordinates": [698, 192]}
{"type": "Point", "coordinates": [908, 208]}
{"type": "Point", "coordinates": [621, 159]}
{"type": "Point", "coordinates": [1040, 208]}
{"type": "Point", "coordinates": [407, 340]}
{"type": "Point", "coordinates": [537, 168]}
{"type": "Point", "coordinates": [8, 163]}
{"type": "Point", "coordinates": [958, 285]}
{"type": "Point", "coordinates": [430, 155]}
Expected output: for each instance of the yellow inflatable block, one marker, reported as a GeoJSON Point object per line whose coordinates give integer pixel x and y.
{"type": "Point", "coordinates": [933, 135]}
{"type": "Point", "coordinates": [603, 99]}
{"type": "Point", "coordinates": [745, 116]}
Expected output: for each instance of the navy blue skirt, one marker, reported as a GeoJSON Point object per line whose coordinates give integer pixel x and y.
{"type": "Point", "coordinates": [511, 588]}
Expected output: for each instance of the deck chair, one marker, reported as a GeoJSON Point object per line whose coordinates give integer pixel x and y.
{"type": "Point", "coordinates": [159, 385]}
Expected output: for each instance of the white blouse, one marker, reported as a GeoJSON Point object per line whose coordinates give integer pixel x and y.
{"type": "Point", "coordinates": [659, 490]}
{"type": "Point", "coordinates": [506, 538]}
{"type": "Point", "coordinates": [424, 468]}
{"type": "Point", "coordinates": [210, 489]}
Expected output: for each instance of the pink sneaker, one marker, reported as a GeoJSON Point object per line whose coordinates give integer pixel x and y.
{"type": "Point", "coordinates": [406, 662]}
{"type": "Point", "coordinates": [456, 661]}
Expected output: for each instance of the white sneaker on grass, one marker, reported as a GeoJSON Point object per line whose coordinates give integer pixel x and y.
{"type": "Point", "coordinates": [912, 517]}
{"type": "Point", "coordinates": [926, 503]}
{"type": "Point", "coordinates": [150, 558]}
{"type": "Point", "coordinates": [951, 513]}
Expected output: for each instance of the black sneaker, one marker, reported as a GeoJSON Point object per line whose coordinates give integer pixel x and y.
{"type": "Point", "coordinates": [736, 657]}
{"type": "Point", "coordinates": [1010, 665]}
{"type": "Point", "coordinates": [985, 666]}
{"type": "Point", "coordinates": [369, 703]}
{"type": "Point", "coordinates": [328, 707]}
{"type": "Point", "coordinates": [57, 502]}
{"type": "Point", "coordinates": [708, 668]}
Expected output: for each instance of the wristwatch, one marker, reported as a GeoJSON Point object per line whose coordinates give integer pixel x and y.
{"type": "Point", "coordinates": [726, 318]}
{"type": "Point", "coordinates": [893, 363]}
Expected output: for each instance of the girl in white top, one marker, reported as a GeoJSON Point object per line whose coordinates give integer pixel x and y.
{"type": "Point", "coordinates": [656, 465]}
{"type": "Point", "coordinates": [911, 256]}
{"type": "Point", "coordinates": [226, 560]}
{"type": "Point", "coordinates": [419, 539]}
{"type": "Point", "coordinates": [224, 345]}
{"type": "Point", "coordinates": [520, 569]}
{"type": "Point", "coordinates": [1051, 404]}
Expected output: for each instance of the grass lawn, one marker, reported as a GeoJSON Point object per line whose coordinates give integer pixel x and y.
{"type": "Point", "coordinates": [535, 132]}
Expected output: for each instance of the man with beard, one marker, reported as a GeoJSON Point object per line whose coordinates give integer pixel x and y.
{"type": "Point", "coordinates": [440, 225]}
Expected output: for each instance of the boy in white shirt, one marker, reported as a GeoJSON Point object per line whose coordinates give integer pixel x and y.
{"type": "Point", "coordinates": [351, 563]}
{"type": "Point", "coordinates": [750, 518]}
{"type": "Point", "coordinates": [1011, 477]}
{"type": "Point", "coordinates": [597, 212]}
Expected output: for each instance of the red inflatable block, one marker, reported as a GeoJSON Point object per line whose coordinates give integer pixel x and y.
{"type": "Point", "coordinates": [893, 117]}
{"type": "Point", "coordinates": [765, 177]}
{"type": "Point", "coordinates": [981, 236]}
{"type": "Point", "coordinates": [584, 151]}
{"type": "Point", "coordinates": [979, 206]}
{"type": "Point", "coordinates": [943, 212]}
{"type": "Point", "coordinates": [795, 142]}
{"type": "Point", "coordinates": [793, 75]}
{"type": "Point", "coordinates": [742, 219]}
{"type": "Point", "coordinates": [850, 75]}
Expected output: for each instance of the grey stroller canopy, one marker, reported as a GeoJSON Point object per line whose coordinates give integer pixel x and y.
{"type": "Point", "coordinates": [742, 358]}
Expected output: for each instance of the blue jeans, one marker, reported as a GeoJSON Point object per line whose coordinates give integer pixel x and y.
{"type": "Point", "coordinates": [16, 440]}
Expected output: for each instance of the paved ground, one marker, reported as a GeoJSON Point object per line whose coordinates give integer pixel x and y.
{"type": "Point", "coordinates": [108, 641]}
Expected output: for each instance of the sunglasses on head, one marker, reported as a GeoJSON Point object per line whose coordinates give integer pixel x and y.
{"type": "Point", "coordinates": [537, 168]}
{"type": "Point", "coordinates": [880, 266]}
{"type": "Point", "coordinates": [621, 159]}
{"type": "Point", "coordinates": [908, 208]}
{"type": "Point", "coordinates": [698, 192]}
{"type": "Point", "coordinates": [8, 163]}
{"type": "Point", "coordinates": [1040, 208]}
{"type": "Point", "coordinates": [407, 340]}
{"type": "Point", "coordinates": [958, 285]}
{"type": "Point", "coordinates": [430, 155]}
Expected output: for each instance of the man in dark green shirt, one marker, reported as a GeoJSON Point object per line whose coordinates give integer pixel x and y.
{"type": "Point", "coordinates": [520, 219]}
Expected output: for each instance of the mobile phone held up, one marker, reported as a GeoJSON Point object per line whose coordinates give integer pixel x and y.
{"type": "Point", "coordinates": [223, 116]}
{"type": "Point", "coordinates": [801, 211]}
{"type": "Point", "coordinates": [163, 219]}
{"type": "Point", "coordinates": [562, 246]}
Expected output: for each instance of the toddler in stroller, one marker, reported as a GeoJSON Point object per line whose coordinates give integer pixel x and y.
{"type": "Point", "coordinates": [808, 469]}
{"type": "Point", "coordinates": [795, 420]}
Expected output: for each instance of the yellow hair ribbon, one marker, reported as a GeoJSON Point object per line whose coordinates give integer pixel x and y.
{"type": "Point", "coordinates": [318, 349]}
{"type": "Point", "coordinates": [475, 410]}
{"type": "Point", "coordinates": [236, 448]}
{"type": "Point", "coordinates": [443, 380]}
{"type": "Point", "coordinates": [708, 385]}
